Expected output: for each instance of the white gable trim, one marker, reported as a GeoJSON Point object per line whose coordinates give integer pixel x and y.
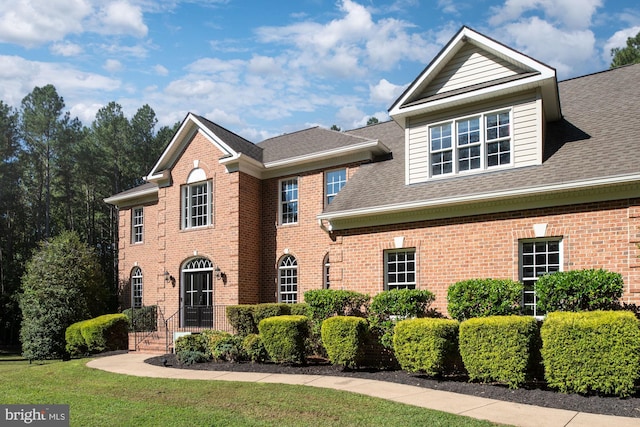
{"type": "Point", "coordinates": [189, 127]}
{"type": "Point", "coordinates": [545, 78]}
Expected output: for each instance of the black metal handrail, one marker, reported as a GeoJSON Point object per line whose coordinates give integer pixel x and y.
{"type": "Point", "coordinates": [140, 335]}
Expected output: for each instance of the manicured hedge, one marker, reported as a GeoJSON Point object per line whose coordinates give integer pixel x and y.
{"type": "Point", "coordinates": [344, 338]}
{"type": "Point", "coordinates": [427, 345]}
{"type": "Point", "coordinates": [144, 318]}
{"type": "Point", "coordinates": [241, 319]}
{"type": "Point", "coordinates": [484, 297]}
{"type": "Point", "coordinates": [579, 290]}
{"type": "Point", "coordinates": [390, 306]}
{"type": "Point", "coordinates": [595, 351]}
{"type": "Point", "coordinates": [325, 303]}
{"type": "Point", "coordinates": [284, 338]}
{"type": "Point", "coordinates": [264, 311]}
{"type": "Point", "coordinates": [499, 348]}
{"type": "Point", "coordinates": [103, 333]}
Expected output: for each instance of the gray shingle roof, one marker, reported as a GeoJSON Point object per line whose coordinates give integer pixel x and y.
{"type": "Point", "coordinates": [305, 142]}
{"type": "Point", "coordinates": [598, 137]}
{"type": "Point", "coordinates": [236, 142]}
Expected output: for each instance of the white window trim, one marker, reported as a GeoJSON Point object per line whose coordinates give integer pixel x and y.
{"type": "Point", "coordinates": [281, 202]}
{"type": "Point", "coordinates": [185, 205]}
{"type": "Point", "coordinates": [483, 144]}
{"type": "Point", "coordinates": [326, 175]}
{"type": "Point", "coordinates": [134, 226]}
{"type": "Point", "coordinates": [560, 241]}
{"type": "Point", "coordinates": [409, 285]}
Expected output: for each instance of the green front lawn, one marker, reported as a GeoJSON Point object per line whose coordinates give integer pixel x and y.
{"type": "Point", "coordinates": [98, 398]}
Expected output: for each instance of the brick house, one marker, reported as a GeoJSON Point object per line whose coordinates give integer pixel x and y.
{"type": "Point", "coordinates": [489, 168]}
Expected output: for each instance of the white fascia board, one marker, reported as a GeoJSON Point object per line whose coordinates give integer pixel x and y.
{"type": "Point", "coordinates": [483, 197]}
{"type": "Point", "coordinates": [242, 163]}
{"type": "Point", "coordinates": [133, 198]}
{"type": "Point", "coordinates": [371, 145]}
{"type": "Point", "coordinates": [473, 96]}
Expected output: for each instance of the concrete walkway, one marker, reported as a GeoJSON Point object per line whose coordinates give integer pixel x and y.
{"type": "Point", "coordinates": [471, 406]}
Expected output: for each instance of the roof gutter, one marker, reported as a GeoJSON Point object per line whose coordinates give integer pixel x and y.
{"type": "Point", "coordinates": [484, 197]}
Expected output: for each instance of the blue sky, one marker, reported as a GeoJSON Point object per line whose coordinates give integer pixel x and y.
{"type": "Point", "coordinates": [263, 68]}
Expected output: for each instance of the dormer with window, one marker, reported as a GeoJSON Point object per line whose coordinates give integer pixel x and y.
{"type": "Point", "coordinates": [479, 106]}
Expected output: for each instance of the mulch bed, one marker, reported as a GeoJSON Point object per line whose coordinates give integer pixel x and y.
{"type": "Point", "coordinates": [532, 394]}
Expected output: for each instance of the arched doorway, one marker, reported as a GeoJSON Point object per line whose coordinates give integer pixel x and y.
{"type": "Point", "coordinates": [197, 293]}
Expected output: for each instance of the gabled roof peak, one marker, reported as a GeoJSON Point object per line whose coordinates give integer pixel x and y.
{"type": "Point", "coordinates": [473, 67]}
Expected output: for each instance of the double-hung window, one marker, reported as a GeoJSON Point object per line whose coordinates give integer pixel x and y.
{"type": "Point", "coordinates": [289, 201]}
{"type": "Point", "coordinates": [334, 181]}
{"type": "Point", "coordinates": [537, 258]}
{"type": "Point", "coordinates": [470, 143]}
{"type": "Point", "coordinates": [400, 269]}
{"type": "Point", "coordinates": [197, 205]}
{"type": "Point", "coordinates": [137, 225]}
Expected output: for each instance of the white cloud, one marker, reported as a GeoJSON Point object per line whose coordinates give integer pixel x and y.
{"type": "Point", "coordinates": [121, 17]}
{"type": "Point", "coordinates": [572, 14]}
{"type": "Point", "coordinates": [33, 22]}
{"type": "Point", "coordinates": [385, 92]}
{"type": "Point", "coordinates": [618, 39]}
{"type": "Point", "coordinates": [570, 52]}
{"type": "Point", "coordinates": [160, 70]}
{"type": "Point", "coordinates": [66, 49]}
{"type": "Point", "coordinates": [351, 45]}
{"type": "Point", "coordinates": [112, 65]}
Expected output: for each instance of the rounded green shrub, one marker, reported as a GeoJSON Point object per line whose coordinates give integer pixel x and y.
{"type": "Point", "coordinates": [484, 297]}
{"type": "Point", "coordinates": [210, 339]}
{"type": "Point", "coordinates": [108, 332]}
{"type": "Point", "coordinates": [499, 348]}
{"type": "Point", "coordinates": [254, 348]}
{"type": "Point", "coordinates": [193, 343]}
{"type": "Point", "coordinates": [596, 351]}
{"type": "Point", "coordinates": [388, 307]}
{"type": "Point", "coordinates": [75, 343]}
{"type": "Point", "coordinates": [579, 290]}
{"type": "Point", "coordinates": [344, 338]}
{"type": "Point", "coordinates": [284, 338]}
{"type": "Point", "coordinates": [427, 345]}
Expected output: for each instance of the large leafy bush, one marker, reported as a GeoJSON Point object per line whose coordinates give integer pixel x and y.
{"type": "Point", "coordinates": [484, 297]}
{"type": "Point", "coordinates": [63, 284]}
{"type": "Point", "coordinates": [579, 290]}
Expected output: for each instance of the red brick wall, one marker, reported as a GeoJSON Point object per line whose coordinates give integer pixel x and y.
{"type": "Point", "coordinates": [597, 235]}
{"type": "Point", "coordinates": [304, 240]}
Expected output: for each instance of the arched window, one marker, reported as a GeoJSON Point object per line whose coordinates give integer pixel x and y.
{"type": "Point", "coordinates": [326, 280]}
{"type": "Point", "coordinates": [288, 280]}
{"type": "Point", "coordinates": [136, 287]}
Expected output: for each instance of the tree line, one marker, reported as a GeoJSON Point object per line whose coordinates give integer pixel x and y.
{"type": "Point", "coordinates": [55, 173]}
